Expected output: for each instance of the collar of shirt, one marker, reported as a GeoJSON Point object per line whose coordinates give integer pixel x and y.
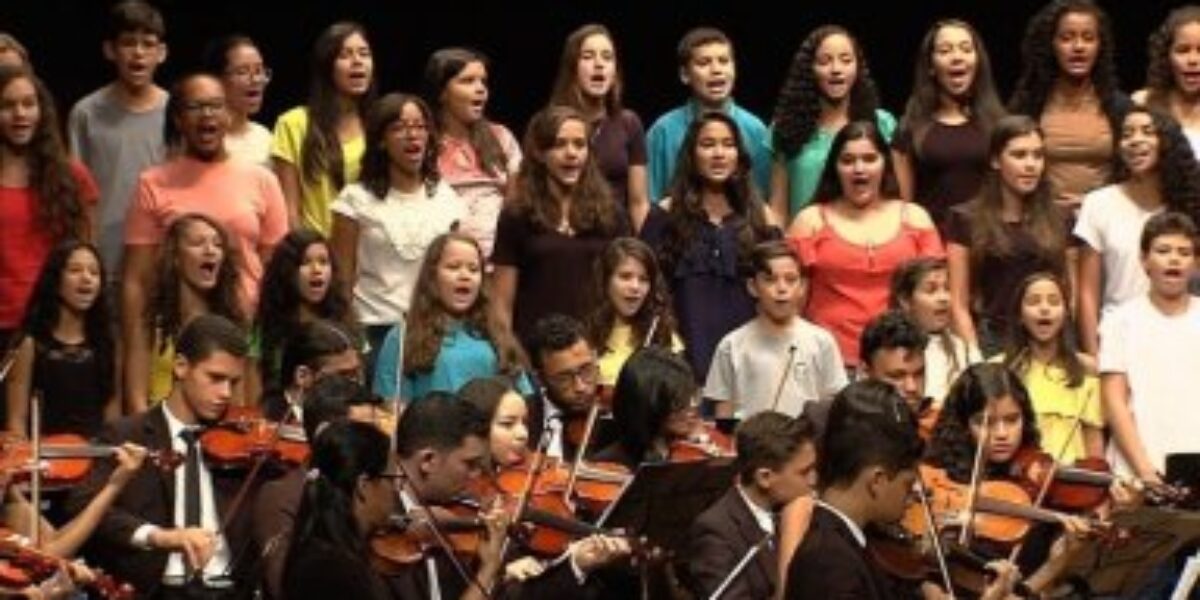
{"type": "Point", "coordinates": [855, 530]}
{"type": "Point", "coordinates": [764, 517]}
{"type": "Point", "coordinates": [174, 427]}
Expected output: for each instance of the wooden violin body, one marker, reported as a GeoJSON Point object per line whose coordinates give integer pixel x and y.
{"type": "Point", "coordinates": [245, 435]}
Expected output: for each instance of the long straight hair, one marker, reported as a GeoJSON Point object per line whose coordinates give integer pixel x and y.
{"type": "Point", "coordinates": [321, 150]}
{"type": "Point", "coordinates": [1018, 354]}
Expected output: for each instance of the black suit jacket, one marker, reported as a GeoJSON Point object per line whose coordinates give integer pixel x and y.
{"type": "Point", "coordinates": [718, 540]}
{"type": "Point", "coordinates": [830, 564]}
{"type": "Point", "coordinates": [411, 582]}
{"type": "Point", "coordinates": [149, 498]}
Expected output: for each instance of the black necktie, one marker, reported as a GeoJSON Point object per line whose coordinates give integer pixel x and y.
{"type": "Point", "coordinates": [191, 478]}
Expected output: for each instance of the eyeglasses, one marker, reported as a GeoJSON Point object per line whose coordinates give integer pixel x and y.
{"type": "Point", "coordinates": [587, 374]}
{"type": "Point", "coordinates": [406, 127]}
{"type": "Point", "coordinates": [249, 74]}
{"type": "Point", "coordinates": [197, 107]}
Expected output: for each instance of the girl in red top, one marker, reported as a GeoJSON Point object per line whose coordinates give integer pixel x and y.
{"type": "Point", "coordinates": [856, 234]}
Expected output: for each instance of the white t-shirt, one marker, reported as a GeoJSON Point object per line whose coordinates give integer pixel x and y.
{"type": "Point", "coordinates": [939, 369]}
{"type": "Point", "coordinates": [252, 145]}
{"type": "Point", "coordinates": [393, 235]}
{"type": "Point", "coordinates": [1111, 223]}
{"type": "Point", "coordinates": [747, 366]}
{"type": "Point", "coordinates": [1160, 357]}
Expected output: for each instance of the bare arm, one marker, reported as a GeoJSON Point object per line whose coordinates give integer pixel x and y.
{"type": "Point", "coordinates": [1088, 309]}
{"type": "Point", "coordinates": [959, 260]}
{"type": "Point", "coordinates": [638, 200]}
{"type": "Point", "coordinates": [343, 241]}
{"type": "Point", "coordinates": [904, 175]}
{"type": "Point", "coordinates": [504, 293]}
{"type": "Point", "coordinates": [778, 199]}
{"type": "Point", "coordinates": [793, 524]}
{"type": "Point", "coordinates": [289, 182]}
{"type": "Point", "coordinates": [135, 294]}
{"type": "Point", "coordinates": [1114, 390]}
{"type": "Point", "coordinates": [20, 381]}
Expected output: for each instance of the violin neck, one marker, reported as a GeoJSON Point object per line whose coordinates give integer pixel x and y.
{"type": "Point", "coordinates": [575, 528]}
{"type": "Point", "coordinates": [1084, 476]}
{"type": "Point", "coordinates": [72, 451]}
{"type": "Point", "coordinates": [1012, 509]}
{"type": "Point", "coordinates": [600, 475]}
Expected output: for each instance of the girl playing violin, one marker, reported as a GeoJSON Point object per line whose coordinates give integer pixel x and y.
{"type": "Point", "coordinates": [988, 401]}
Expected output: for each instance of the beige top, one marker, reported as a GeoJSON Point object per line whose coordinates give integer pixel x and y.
{"type": "Point", "coordinates": [1079, 145]}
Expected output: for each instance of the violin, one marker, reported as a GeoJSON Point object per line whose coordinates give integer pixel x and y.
{"type": "Point", "coordinates": [22, 566]}
{"type": "Point", "coordinates": [66, 458]}
{"type": "Point", "coordinates": [906, 557]}
{"type": "Point", "coordinates": [1082, 486]}
{"type": "Point", "coordinates": [596, 485]}
{"type": "Point", "coordinates": [245, 435]}
{"type": "Point", "coordinates": [407, 539]}
{"type": "Point", "coordinates": [705, 442]}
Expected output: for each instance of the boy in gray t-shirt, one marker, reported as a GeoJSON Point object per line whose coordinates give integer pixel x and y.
{"type": "Point", "coordinates": [777, 361]}
{"type": "Point", "coordinates": [117, 130]}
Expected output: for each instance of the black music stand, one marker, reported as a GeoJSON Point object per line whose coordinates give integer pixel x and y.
{"type": "Point", "coordinates": [1120, 567]}
{"type": "Point", "coordinates": [662, 500]}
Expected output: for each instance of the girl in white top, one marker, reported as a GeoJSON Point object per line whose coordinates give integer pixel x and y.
{"type": "Point", "coordinates": [236, 61]}
{"type": "Point", "coordinates": [1174, 58]}
{"type": "Point", "coordinates": [921, 288]}
{"type": "Point", "coordinates": [383, 225]}
{"type": "Point", "coordinates": [1156, 171]}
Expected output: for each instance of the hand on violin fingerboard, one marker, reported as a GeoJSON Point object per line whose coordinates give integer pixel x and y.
{"type": "Point", "coordinates": [130, 457]}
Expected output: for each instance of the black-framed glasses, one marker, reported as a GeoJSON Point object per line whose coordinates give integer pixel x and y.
{"type": "Point", "coordinates": [587, 373]}
{"type": "Point", "coordinates": [249, 74]}
{"type": "Point", "coordinates": [200, 107]}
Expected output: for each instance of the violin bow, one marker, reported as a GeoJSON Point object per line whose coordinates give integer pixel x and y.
{"type": "Point", "coordinates": [438, 536]}
{"type": "Point", "coordinates": [650, 332]}
{"type": "Point", "coordinates": [934, 537]}
{"type": "Point", "coordinates": [35, 486]}
{"type": "Point", "coordinates": [787, 368]}
{"type": "Point", "coordinates": [964, 537]}
{"type": "Point", "coordinates": [535, 466]}
{"type": "Point", "coordinates": [590, 425]}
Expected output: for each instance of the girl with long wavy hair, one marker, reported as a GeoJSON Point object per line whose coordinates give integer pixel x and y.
{"type": "Point", "coordinates": [590, 81]}
{"type": "Point", "coordinates": [318, 146]}
{"type": "Point", "coordinates": [1156, 171]}
{"type": "Point", "coordinates": [559, 221]}
{"type": "Point", "coordinates": [45, 196]}
{"type": "Point", "coordinates": [383, 224]}
{"type": "Point", "coordinates": [67, 348]}
{"type": "Point", "coordinates": [1011, 229]}
{"type": "Point", "coordinates": [940, 152]}
{"type": "Point", "coordinates": [302, 284]}
{"type": "Point", "coordinates": [828, 85]}
{"type": "Point", "coordinates": [1068, 84]}
{"type": "Point", "coordinates": [478, 157]}
{"type": "Point", "coordinates": [195, 274]}
{"type": "Point", "coordinates": [704, 233]}
{"type": "Point", "coordinates": [451, 335]}
{"type": "Point", "coordinates": [635, 306]}
{"type": "Point", "coordinates": [1172, 87]}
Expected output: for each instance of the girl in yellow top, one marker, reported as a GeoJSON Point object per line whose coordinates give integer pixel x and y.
{"type": "Point", "coordinates": [635, 304]}
{"type": "Point", "coordinates": [318, 146]}
{"type": "Point", "coordinates": [1062, 382]}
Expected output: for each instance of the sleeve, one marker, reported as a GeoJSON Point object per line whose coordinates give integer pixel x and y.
{"type": "Point", "coordinates": [1087, 226]}
{"type": "Point", "coordinates": [833, 370]}
{"type": "Point", "coordinates": [118, 525]}
{"type": "Point", "coordinates": [711, 557]}
{"type": "Point", "coordinates": [758, 138]}
{"type": "Point", "coordinates": [886, 124]}
{"type": "Point", "coordinates": [636, 139]}
{"type": "Point", "coordinates": [721, 383]}
{"type": "Point", "coordinates": [958, 227]}
{"type": "Point", "coordinates": [77, 132]}
{"type": "Point", "coordinates": [510, 230]}
{"type": "Point", "coordinates": [1112, 357]}
{"type": "Point", "coordinates": [142, 224]}
{"type": "Point", "coordinates": [657, 163]}
{"type": "Point", "coordinates": [289, 135]}
{"type": "Point", "coordinates": [346, 203]}
{"type": "Point", "coordinates": [902, 142]}
{"type": "Point", "coordinates": [89, 192]}
{"type": "Point", "coordinates": [806, 248]}
{"type": "Point", "coordinates": [512, 148]}
{"type": "Point", "coordinates": [387, 365]}
{"type": "Point", "coordinates": [929, 243]}
{"type": "Point", "coordinates": [274, 219]}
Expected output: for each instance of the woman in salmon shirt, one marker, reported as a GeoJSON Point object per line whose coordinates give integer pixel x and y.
{"type": "Point", "coordinates": [856, 234]}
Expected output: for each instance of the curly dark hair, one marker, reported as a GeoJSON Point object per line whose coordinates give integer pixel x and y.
{"type": "Point", "coordinates": [1042, 218]}
{"type": "Point", "coordinates": [592, 208]}
{"type": "Point", "coordinates": [830, 186]}
{"type": "Point", "coordinates": [1160, 77]}
{"type": "Point", "coordinates": [1040, 66]}
{"type": "Point", "coordinates": [1178, 169]}
{"type": "Point", "coordinates": [799, 105]}
{"type": "Point", "coordinates": [982, 105]}
{"type": "Point", "coordinates": [657, 304]}
{"type": "Point", "coordinates": [952, 447]}
{"type": "Point", "coordinates": [44, 308]}
{"type": "Point", "coordinates": [376, 163]}
{"type": "Point", "coordinates": [59, 207]}
{"type": "Point", "coordinates": [164, 312]}
{"type": "Point", "coordinates": [321, 150]}
{"type": "Point", "coordinates": [686, 214]}
{"type": "Point", "coordinates": [1017, 354]}
{"type": "Point", "coordinates": [566, 90]}
{"type": "Point", "coordinates": [443, 66]}
{"type": "Point", "coordinates": [428, 320]}
{"type": "Point", "coordinates": [280, 300]}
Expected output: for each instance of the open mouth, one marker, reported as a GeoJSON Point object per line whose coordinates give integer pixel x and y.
{"type": "Point", "coordinates": [209, 268]}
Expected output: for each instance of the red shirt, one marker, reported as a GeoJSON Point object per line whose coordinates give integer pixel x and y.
{"type": "Point", "coordinates": [25, 243]}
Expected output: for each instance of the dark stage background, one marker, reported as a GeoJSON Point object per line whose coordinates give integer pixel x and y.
{"type": "Point", "coordinates": [524, 41]}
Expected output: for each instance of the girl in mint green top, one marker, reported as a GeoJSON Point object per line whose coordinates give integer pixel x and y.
{"type": "Point", "coordinates": [827, 86]}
